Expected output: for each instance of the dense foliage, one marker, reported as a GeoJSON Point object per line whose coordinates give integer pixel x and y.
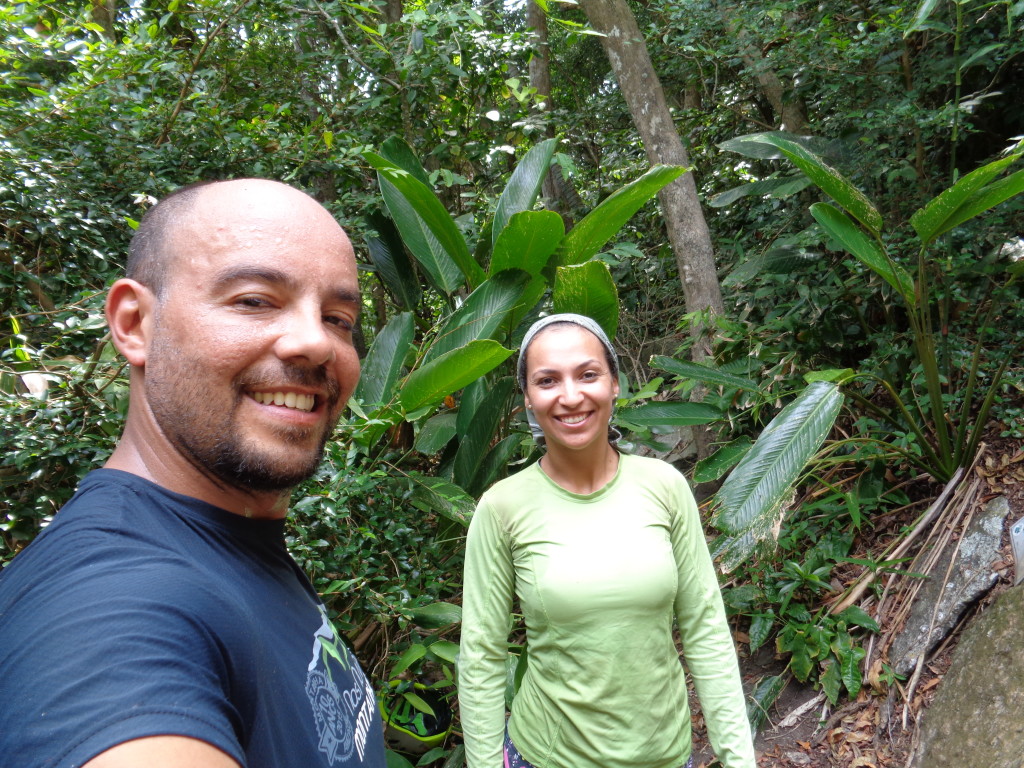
{"type": "Point", "coordinates": [416, 122]}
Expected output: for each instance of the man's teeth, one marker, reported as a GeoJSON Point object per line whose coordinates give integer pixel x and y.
{"type": "Point", "coordinates": [572, 419]}
{"type": "Point", "coordinates": [287, 399]}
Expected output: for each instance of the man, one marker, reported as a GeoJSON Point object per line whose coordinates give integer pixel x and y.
{"type": "Point", "coordinates": [159, 622]}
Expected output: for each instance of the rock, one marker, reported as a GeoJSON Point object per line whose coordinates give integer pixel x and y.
{"type": "Point", "coordinates": [977, 718]}
{"type": "Point", "coordinates": [971, 577]}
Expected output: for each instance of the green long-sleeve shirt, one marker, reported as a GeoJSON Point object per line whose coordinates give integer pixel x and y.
{"type": "Point", "coordinates": [599, 578]}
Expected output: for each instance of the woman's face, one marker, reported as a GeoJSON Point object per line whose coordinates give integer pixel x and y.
{"type": "Point", "coordinates": [570, 387]}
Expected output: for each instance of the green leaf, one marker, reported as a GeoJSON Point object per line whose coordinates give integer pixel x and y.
{"type": "Point", "coordinates": [670, 414]}
{"type": "Point", "coordinates": [383, 362]}
{"type": "Point", "coordinates": [709, 469]}
{"type": "Point", "coordinates": [474, 444]}
{"type": "Point", "coordinates": [436, 615]}
{"type": "Point", "coordinates": [445, 650]}
{"type": "Point", "coordinates": [924, 12]}
{"type": "Point", "coordinates": [703, 373]}
{"type": "Point", "coordinates": [527, 242]}
{"type": "Point", "coordinates": [777, 188]}
{"type": "Point", "coordinates": [800, 662]}
{"type": "Point", "coordinates": [523, 187]}
{"type": "Point", "coordinates": [450, 372]}
{"type": "Point", "coordinates": [763, 698]}
{"type": "Point", "coordinates": [760, 629]}
{"type": "Point", "coordinates": [435, 494]}
{"type": "Point", "coordinates": [831, 683]}
{"type": "Point", "coordinates": [989, 197]}
{"type": "Point", "coordinates": [394, 760]}
{"type": "Point", "coordinates": [418, 703]}
{"type": "Point", "coordinates": [829, 180]}
{"type": "Point", "coordinates": [482, 313]}
{"type": "Point", "coordinates": [426, 227]}
{"type": "Point", "coordinates": [951, 207]}
{"type": "Point", "coordinates": [392, 263]}
{"type": "Point", "coordinates": [436, 433]}
{"type": "Point", "coordinates": [750, 500]}
{"type": "Point", "coordinates": [399, 152]}
{"type": "Point", "coordinates": [588, 290]}
{"type": "Point", "coordinates": [859, 617]}
{"type": "Point", "coordinates": [598, 226]}
{"type": "Point", "coordinates": [496, 461]}
{"type": "Point", "coordinates": [866, 249]}
{"type": "Point", "coordinates": [412, 654]}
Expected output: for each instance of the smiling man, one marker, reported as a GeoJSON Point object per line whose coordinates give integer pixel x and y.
{"type": "Point", "coordinates": [159, 620]}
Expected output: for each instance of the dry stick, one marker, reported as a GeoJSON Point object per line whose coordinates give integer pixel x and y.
{"type": "Point", "coordinates": [857, 590]}
{"type": "Point", "coordinates": [916, 677]}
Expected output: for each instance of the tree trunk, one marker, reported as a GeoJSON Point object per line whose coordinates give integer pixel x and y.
{"type": "Point", "coordinates": [104, 13]}
{"type": "Point", "coordinates": [392, 11]}
{"type": "Point", "coordinates": [687, 229]}
{"type": "Point", "coordinates": [684, 219]}
{"type": "Point", "coordinates": [540, 79]}
{"type": "Point", "coordinates": [790, 114]}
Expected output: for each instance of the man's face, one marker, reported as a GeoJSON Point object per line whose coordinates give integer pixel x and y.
{"type": "Point", "coordinates": [251, 358]}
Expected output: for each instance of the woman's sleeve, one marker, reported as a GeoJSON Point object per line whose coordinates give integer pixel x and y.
{"type": "Point", "coordinates": [707, 642]}
{"type": "Point", "coordinates": [488, 586]}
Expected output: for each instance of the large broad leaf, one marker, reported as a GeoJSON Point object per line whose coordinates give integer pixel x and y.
{"type": "Point", "coordinates": [436, 433]}
{"type": "Point", "coordinates": [966, 199]}
{"type": "Point", "coordinates": [417, 211]}
{"type": "Point", "coordinates": [475, 442]}
{"type": "Point", "coordinates": [482, 314]}
{"type": "Point", "coordinates": [527, 242]}
{"type": "Point", "coordinates": [588, 290]}
{"type": "Point", "coordinates": [828, 179]}
{"type": "Point", "coordinates": [495, 462]}
{"type": "Point", "coordinates": [440, 269]}
{"type": "Point", "coordinates": [749, 501]}
{"type": "Point", "coordinates": [436, 615]}
{"type": "Point", "coordinates": [775, 188]}
{"type": "Point", "coordinates": [399, 152]}
{"type": "Point", "coordinates": [924, 12]}
{"type": "Point", "coordinates": [434, 494]}
{"type": "Point", "coordinates": [392, 263]}
{"type": "Point", "coordinates": [749, 146]}
{"type": "Point", "coordinates": [601, 224]}
{"type": "Point", "coordinates": [703, 373]}
{"type": "Point", "coordinates": [522, 189]}
{"type": "Point", "coordinates": [450, 372]}
{"type": "Point", "coordinates": [709, 469]}
{"type": "Point", "coordinates": [782, 260]}
{"type": "Point", "coordinates": [383, 362]}
{"type": "Point", "coordinates": [865, 248]}
{"type": "Point", "coordinates": [670, 414]}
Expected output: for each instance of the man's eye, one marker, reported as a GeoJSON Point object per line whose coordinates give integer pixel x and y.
{"type": "Point", "coordinates": [253, 301]}
{"type": "Point", "coordinates": [341, 322]}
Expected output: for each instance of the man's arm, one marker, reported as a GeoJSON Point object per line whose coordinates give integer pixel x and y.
{"type": "Point", "coordinates": [163, 752]}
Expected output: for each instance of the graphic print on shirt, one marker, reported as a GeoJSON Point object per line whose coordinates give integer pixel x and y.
{"type": "Point", "coordinates": [340, 695]}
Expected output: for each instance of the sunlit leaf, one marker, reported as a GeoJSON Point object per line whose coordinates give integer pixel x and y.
{"type": "Point", "coordinates": [524, 186]}
{"type": "Point", "coordinates": [451, 372]}
{"type": "Point", "coordinates": [588, 289]}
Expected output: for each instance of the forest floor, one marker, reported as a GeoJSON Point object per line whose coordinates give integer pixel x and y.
{"type": "Point", "coordinates": [879, 728]}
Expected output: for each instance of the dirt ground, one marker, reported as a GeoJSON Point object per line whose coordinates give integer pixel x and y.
{"type": "Point", "coordinates": [879, 729]}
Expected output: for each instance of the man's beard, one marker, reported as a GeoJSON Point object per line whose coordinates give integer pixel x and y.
{"type": "Point", "coordinates": [209, 436]}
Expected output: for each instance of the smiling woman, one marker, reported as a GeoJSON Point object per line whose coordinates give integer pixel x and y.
{"type": "Point", "coordinates": [603, 551]}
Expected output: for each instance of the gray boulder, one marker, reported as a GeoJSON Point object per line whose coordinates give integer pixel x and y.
{"type": "Point", "coordinates": [977, 718]}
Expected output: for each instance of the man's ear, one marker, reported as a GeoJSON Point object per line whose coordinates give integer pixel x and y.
{"type": "Point", "coordinates": [130, 307]}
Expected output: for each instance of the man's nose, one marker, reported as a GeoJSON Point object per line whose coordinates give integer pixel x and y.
{"type": "Point", "coordinates": [305, 336]}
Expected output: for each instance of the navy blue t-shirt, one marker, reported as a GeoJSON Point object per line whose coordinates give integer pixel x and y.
{"type": "Point", "coordinates": [141, 612]}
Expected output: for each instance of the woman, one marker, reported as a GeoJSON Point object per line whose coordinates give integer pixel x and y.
{"type": "Point", "coordinates": [603, 550]}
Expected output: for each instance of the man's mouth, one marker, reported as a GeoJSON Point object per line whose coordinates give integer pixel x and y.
{"type": "Point", "coordinates": [294, 400]}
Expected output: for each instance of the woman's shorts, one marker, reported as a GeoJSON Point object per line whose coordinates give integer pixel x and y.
{"type": "Point", "coordinates": [514, 760]}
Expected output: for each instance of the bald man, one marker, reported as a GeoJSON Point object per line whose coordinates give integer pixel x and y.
{"type": "Point", "coordinates": [159, 620]}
